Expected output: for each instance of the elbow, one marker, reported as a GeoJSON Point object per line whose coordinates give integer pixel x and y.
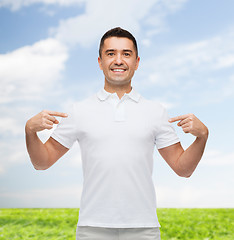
{"type": "Point", "coordinates": [184, 174]}
{"type": "Point", "coordinates": [182, 171]}
{"type": "Point", "coordinates": [187, 176]}
{"type": "Point", "coordinates": [39, 164]}
{"type": "Point", "coordinates": [36, 167]}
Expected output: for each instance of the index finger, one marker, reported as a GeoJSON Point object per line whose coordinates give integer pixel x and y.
{"type": "Point", "coordinates": [178, 118]}
{"type": "Point", "coordinates": [57, 114]}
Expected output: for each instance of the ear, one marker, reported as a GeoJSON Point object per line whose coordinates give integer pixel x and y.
{"type": "Point", "coordinates": [100, 63]}
{"type": "Point", "coordinates": [137, 63]}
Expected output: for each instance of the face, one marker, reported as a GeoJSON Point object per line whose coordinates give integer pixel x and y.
{"type": "Point", "coordinates": [118, 60]}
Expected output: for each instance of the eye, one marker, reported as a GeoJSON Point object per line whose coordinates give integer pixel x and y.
{"type": "Point", "coordinates": [126, 54]}
{"type": "Point", "coordinates": [110, 54]}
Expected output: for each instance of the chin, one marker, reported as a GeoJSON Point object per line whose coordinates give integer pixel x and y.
{"type": "Point", "coordinates": [118, 81]}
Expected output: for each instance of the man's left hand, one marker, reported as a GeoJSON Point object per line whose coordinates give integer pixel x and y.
{"type": "Point", "coordinates": [191, 124]}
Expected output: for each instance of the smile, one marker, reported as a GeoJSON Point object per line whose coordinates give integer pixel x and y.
{"type": "Point", "coordinates": [118, 70]}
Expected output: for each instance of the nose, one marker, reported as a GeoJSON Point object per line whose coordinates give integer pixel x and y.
{"type": "Point", "coordinates": [118, 59]}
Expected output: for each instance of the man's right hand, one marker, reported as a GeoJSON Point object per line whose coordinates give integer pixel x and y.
{"type": "Point", "coordinates": [43, 120]}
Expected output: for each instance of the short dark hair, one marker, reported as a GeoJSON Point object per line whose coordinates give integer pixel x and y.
{"type": "Point", "coordinates": [117, 32]}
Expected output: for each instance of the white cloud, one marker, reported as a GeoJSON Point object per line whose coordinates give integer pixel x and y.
{"type": "Point", "coordinates": [100, 16]}
{"type": "Point", "coordinates": [217, 158]}
{"type": "Point", "coordinates": [146, 42]}
{"type": "Point", "coordinates": [184, 60]}
{"type": "Point", "coordinates": [31, 70]}
{"type": "Point", "coordinates": [68, 196]}
{"type": "Point", "coordinates": [225, 61]}
{"type": "Point", "coordinates": [228, 89]}
{"type": "Point", "coordinates": [26, 74]}
{"type": "Point", "coordinates": [185, 68]}
{"type": "Point", "coordinates": [158, 13]}
{"type": "Point", "coordinates": [190, 196]}
{"type": "Point", "coordinates": [2, 170]}
{"type": "Point", "coordinates": [15, 5]}
{"type": "Point", "coordinates": [12, 153]}
{"type": "Point", "coordinates": [10, 126]}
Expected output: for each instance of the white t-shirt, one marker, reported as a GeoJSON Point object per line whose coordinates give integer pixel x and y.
{"type": "Point", "coordinates": [117, 139]}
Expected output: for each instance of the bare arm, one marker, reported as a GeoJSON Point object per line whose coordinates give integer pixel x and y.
{"type": "Point", "coordinates": [43, 155]}
{"type": "Point", "coordinates": [185, 162]}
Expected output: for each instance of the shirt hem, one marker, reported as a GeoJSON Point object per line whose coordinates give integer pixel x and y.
{"type": "Point", "coordinates": [58, 139]}
{"type": "Point", "coordinates": [139, 225]}
{"type": "Point", "coordinates": [168, 143]}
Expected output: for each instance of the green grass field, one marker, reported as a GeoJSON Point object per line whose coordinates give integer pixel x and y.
{"type": "Point", "coordinates": [58, 224]}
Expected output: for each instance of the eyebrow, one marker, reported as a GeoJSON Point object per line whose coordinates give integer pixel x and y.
{"type": "Point", "coordinates": [112, 50]}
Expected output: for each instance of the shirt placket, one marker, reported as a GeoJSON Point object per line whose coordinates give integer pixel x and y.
{"type": "Point", "coordinates": [119, 109]}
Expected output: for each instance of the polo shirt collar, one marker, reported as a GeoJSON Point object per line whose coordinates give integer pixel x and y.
{"type": "Point", "coordinates": [134, 95]}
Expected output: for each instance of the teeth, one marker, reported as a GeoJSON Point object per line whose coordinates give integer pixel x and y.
{"type": "Point", "coordinates": [118, 70]}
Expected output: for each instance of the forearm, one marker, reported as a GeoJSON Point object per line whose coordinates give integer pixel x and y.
{"type": "Point", "coordinates": [189, 159]}
{"type": "Point", "coordinates": [36, 149]}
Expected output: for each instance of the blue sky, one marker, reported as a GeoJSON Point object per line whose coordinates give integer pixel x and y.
{"type": "Point", "coordinates": [48, 59]}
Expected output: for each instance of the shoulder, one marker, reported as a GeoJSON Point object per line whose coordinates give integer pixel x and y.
{"type": "Point", "coordinates": [152, 105]}
{"type": "Point", "coordinates": [84, 108]}
{"type": "Point", "coordinates": [84, 103]}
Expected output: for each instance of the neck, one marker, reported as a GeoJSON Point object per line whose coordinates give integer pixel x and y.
{"type": "Point", "coordinates": [119, 89]}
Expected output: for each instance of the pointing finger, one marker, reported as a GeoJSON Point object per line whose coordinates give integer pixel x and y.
{"type": "Point", "coordinates": [57, 114]}
{"type": "Point", "coordinates": [178, 118]}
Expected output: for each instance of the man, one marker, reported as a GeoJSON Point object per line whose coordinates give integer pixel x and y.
{"type": "Point", "coordinates": [117, 130]}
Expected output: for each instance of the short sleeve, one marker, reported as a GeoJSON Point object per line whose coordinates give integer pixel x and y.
{"type": "Point", "coordinates": [66, 133]}
{"type": "Point", "coordinates": [165, 134]}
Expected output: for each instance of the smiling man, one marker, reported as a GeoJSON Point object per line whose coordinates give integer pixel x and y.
{"type": "Point", "coordinates": [117, 130]}
{"type": "Point", "coordinates": [118, 58]}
